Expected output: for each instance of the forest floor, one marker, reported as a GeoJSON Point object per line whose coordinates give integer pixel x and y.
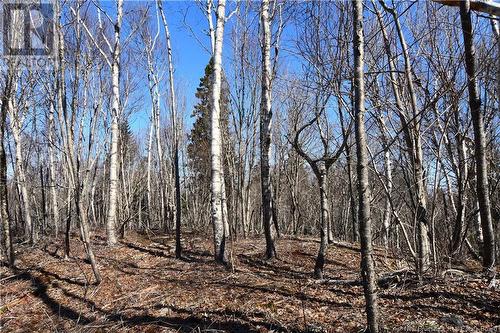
{"type": "Point", "coordinates": [145, 289]}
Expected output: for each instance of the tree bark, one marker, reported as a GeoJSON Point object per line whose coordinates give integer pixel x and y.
{"type": "Point", "coordinates": [148, 171]}
{"type": "Point", "coordinates": [386, 220]}
{"type": "Point", "coordinates": [321, 176]}
{"type": "Point", "coordinates": [52, 171]}
{"type": "Point", "coordinates": [15, 126]}
{"type": "Point", "coordinates": [488, 7]}
{"type": "Point", "coordinates": [479, 138]}
{"type": "Point", "coordinates": [115, 130]}
{"type": "Point", "coordinates": [173, 114]}
{"type": "Point", "coordinates": [414, 142]}
{"type": "Point", "coordinates": [462, 176]}
{"type": "Point", "coordinates": [265, 132]}
{"type": "Point", "coordinates": [4, 213]}
{"type": "Point", "coordinates": [353, 208]}
{"type": "Point", "coordinates": [367, 266]}
{"type": "Point", "coordinates": [218, 210]}
{"type": "Point", "coordinates": [77, 188]}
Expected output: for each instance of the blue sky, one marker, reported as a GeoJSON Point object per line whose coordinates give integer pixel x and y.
{"type": "Point", "coordinates": [188, 26]}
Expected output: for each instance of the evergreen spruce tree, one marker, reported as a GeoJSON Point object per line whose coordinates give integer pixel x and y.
{"type": "Point", "coordinates": [199, 139]}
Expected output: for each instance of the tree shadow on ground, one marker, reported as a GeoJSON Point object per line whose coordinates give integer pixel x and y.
{"type": "Point", "coordinates": [193, 323]}
{"type": "Point", "coordinates": [482, 304]}
{"type": "Point", "coordinates": [349, 293]}
{"type": "Point", "coordinates": [61, 278]}
{"type": "Point", "coordinates": [190, 321]}
{"type": "Point", "coordinates": [193, 256]}
{"type": "Point", "coordinates": [185, 321]}
{"type": "Point", "coordinates": [40, 291]}
{"type": "Point", "coordinates": [153, 252]}
{"type": "Point", "coordinates": [284, 272]}
{"type": "Point", "coordinates": [299, 295]}
{"type": "Point", "coordinates": [183, 324]}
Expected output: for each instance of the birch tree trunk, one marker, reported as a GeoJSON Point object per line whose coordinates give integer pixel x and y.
{"type": "Point", "coordinates": [265, 132]}
{"type": "Point", "coordinates": [77, 188]}
{"type": "Point", "coordinates": [115, 131]}
{"type": "Point", "coordinates": [148, 172]}
{"type": "Point", "coordinates": [52, 172]}
{"type": "Point", "coordinates": [479, 138]}
{"type": "Point", "coordinates": [173, 115]}
{"type": "Point", "coordinates": [478, 229]}
{"type": "Point", "coordinates": [154, 130]}
{"type": "Point", "coordinates": [217, 184]}
{"type": "Point", "coordinates": [386, 220]}
{"type": "Point", "coordinates": [16, 119]}
{"type": "Point", "coordinates": [367, 266]}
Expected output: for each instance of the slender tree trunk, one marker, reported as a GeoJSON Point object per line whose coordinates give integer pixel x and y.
{"type": "Point", "coordinates": [148, 171]}
{"type": "Point", "coordinates": [4, 212]}
{"type": "Point", "coordinates": [479, 138]}
{"type": "Point", "coordinates": [162, 171]}
{"type": "Point", "coordinates": [76, 190]}
{"type": "Point", "coordinates": [265, 132]}
{"type": "Point", "coordinates": [44, 200]}
{"type": "Point", "coordinates": [424, 250]}
{"type": "Point", "coordinates": [478, 227]}
{"type": "Point", "coordinates": [113, 176]}
{"type": "Point", "coordinates": [413, 141]}
{"type": "Point", "coordinates": [418, 168]}
{"type": "Point", "coordinates": [84, 232]}
{"type": "Point", "coordinates": [54, 204]}
{"type": "Point", "coordinates": [386, 222]}
{"type": "Point", "coordinates": [67, 228]}
{"type": "Point", "coordinates": [367, 266]}
{"type": "Point", "coordinates": [217, 184]}
{"type": "Point", "coordinates": [459, 229]}
{"type": "Point", "coordinates": [352, 201]}
{"type": "Point", "coordinates": [64, 125]}
{"type": "Point", "coordinates": [173, 114]}
{"type": "Point", "coordinates": [320, 259]}
{"type": "Point", "coordinates": [115, 130]}
{"type": "Point", "coordinates": [20, 175]}
{"type": "Point", "coordinates": [178, 207]}
{"type": "Point", "coordinates": [495, 27]}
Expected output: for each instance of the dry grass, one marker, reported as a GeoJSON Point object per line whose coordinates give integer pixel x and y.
{"type": "Point", "coordinates": [146, 289]}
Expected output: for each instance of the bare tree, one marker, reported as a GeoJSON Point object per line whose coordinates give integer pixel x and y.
{"type": "Point", "coordinates": [244, 113]}
{"type": "Point", "coordinates": [365, 233]}
{"type": "Point", "coordinates": [265, 131]}
{"type": "Point", "coordinates": [411, 127]}
{"type": "Point", "coordinates": [51, 137]}
{"type": "Point", "coordinates": [115, 131]}
{"type": "Point", "coordinates": [4, 213]}
{"type": "Point", "coordinates": [78, 181]}
{"type": "Point", "coordinates": [218, 203]}
{"type": "Point", "coordinates": [17, 114]}
{"type": "Point", "coordinates": [479, 138]}
{"type": "Point", "coordinates": [320, 167]}
{"type": "Point", "coordinates": [175, 129]}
